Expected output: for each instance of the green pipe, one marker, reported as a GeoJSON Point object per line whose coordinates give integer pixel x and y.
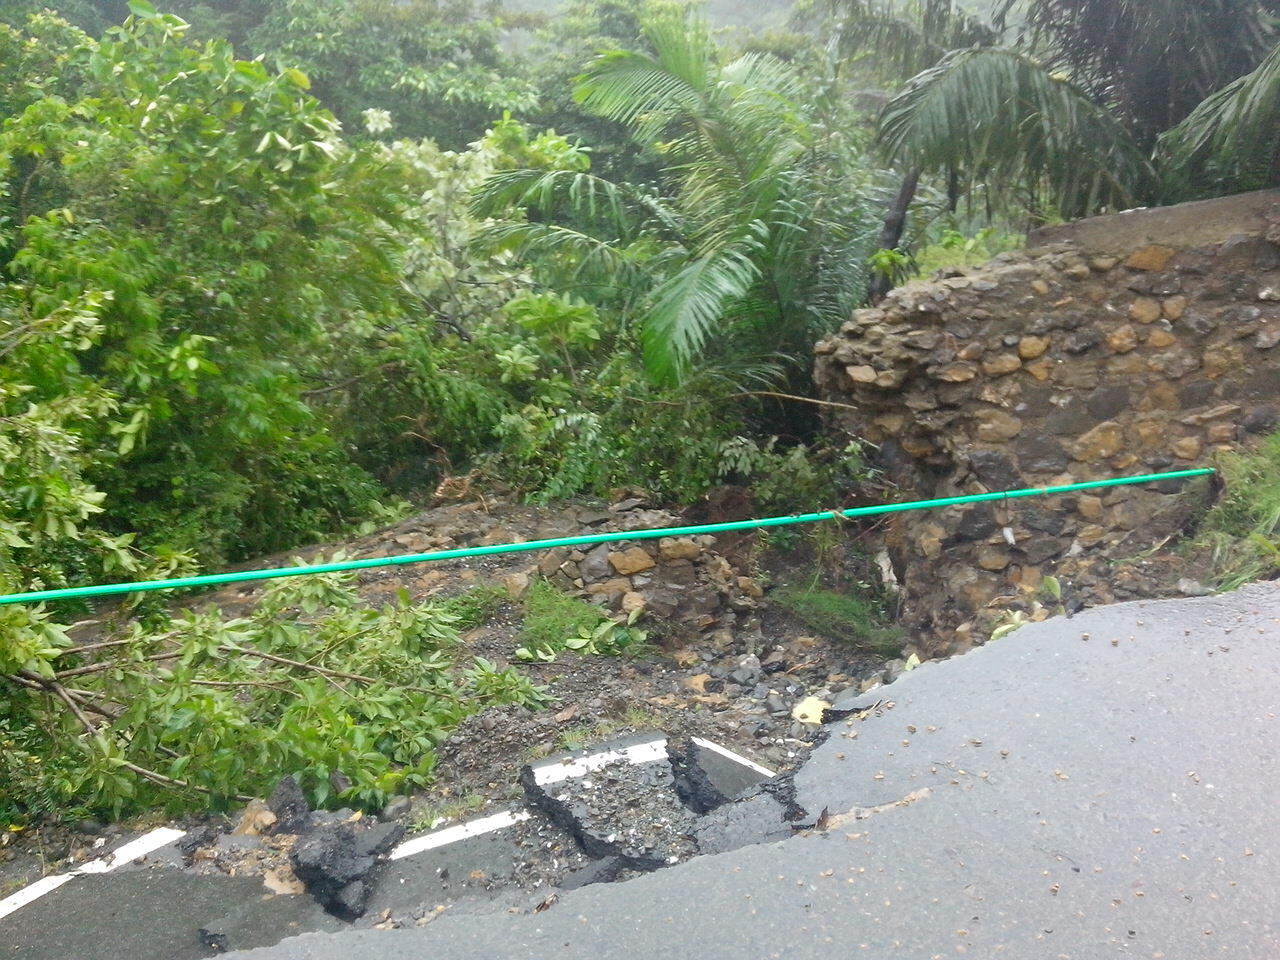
{"type": "Point", "coordinates": [209, 580]}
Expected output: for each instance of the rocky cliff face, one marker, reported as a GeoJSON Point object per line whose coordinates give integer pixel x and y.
{"type": "Point", "coordinates": [1131, 344]}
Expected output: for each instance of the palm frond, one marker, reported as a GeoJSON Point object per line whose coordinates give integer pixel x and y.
{"type": "Point", "coordinates": [1005, 121]}
{"type": "Point", "coordinates": [651, 91]}
{"type": "Point", "coordinates": [1152, 61]}
{"type": "Point", "coordinates": [581, 194]}
{"type": "Point", "coordinates": [688, 306]}
{"type": "Point", "coordinates": [762, 77]}
{"type": "Point", "coordinates": [1231, 141]}
{"type": "Point", "coordinates": [582, 257]}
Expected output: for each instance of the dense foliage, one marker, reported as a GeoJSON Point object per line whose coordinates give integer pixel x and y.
{"type": "Point", "coordinates": [352, 700]}
{"type": "Point", "coordinates": [178, 234]}
{"type": "Point", "coordinates": [266, 267]}
{"type": "Point", "coordinates": [1082, 105]}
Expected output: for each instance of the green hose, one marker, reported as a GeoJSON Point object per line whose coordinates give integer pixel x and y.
{"type": "Point", "coordinates": [209, 580]}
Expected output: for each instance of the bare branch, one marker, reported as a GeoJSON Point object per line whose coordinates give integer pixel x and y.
{"type": "Point", "coordinates": [788, 396]}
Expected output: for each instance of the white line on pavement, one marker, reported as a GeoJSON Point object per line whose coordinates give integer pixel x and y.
{"type": "Point", "coordinates": [636, 754]}
{"type": "Point", "coordinates": [735, 757]}
{"type": "Point", "coordinates": [463, 831]}
{"type": "Point", "coordinates": [147, 843]}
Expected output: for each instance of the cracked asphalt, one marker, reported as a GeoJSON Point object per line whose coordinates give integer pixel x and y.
{"type": "Point", "coordinates": [1100, 786]}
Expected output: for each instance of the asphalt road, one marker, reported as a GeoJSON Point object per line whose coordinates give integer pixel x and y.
{"type": "Point", "coordinates": [1102, 786]}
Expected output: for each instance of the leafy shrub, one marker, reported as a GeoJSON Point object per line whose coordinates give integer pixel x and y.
{"type": "Point", "coordinates": [798, 479]}
{"type": "Point", "coordinates": [608, 638]}
{"type": "Point", "coordinates": [33, 784]}
{"type": "Point", "coordinates": [555, 622]}
{"type": "Point", "coordinates": [552, 616]}
{"type": "Point", "coordinates": [178, 233]}
{"type": "Point", "coordinates": [351, 699]}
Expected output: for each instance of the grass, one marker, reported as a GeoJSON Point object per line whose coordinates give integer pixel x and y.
{"type": "Point", "coordinates": [551, 617]}
{"type": "Point", "coordinates": [847, 616]}
{"type": "Point", "coordinates": [953, 249]}
{"type": "Point", "coordinates": [633, 718]}
{"type": "Point", "coordinates": [433, 815]}
{"type": "Point", "coordinates": [1243, 528]}
{"type": "Point", "coordinates": [477, 606]}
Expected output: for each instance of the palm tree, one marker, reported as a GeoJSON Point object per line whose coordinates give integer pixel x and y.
{"type": "Point", "coordinates": [897, 39]}
{"type": "Point", "coordinates": [1230, 142]}
{"type": "Point", "coordinates": [1150, 61]}
{"type": "Point", "coordinates": [996, 118]}
{"type": "Point", "coordinates": [1061, 123]}
{"type": "Point", "coordinates": [755, 249]}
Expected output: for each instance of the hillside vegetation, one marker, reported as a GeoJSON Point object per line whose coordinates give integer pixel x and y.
{"type": "Point", "coordinates": [271, 270]}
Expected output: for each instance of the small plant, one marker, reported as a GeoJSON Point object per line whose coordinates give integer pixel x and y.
{"type": "Point", "coordinates": [1013, 620]}
{"type": "Point", "coordinates": [551, 616]}
{"type": "Point", "coordinates": [1242, 531]}
{"type": "Point", "coordinates": [784, 539]}
{"type": "Point", "coordinates": [1046, 601]}
{"type": "Point", "coordinates": [475, 607]}
{"type": "Point", "coordinates": [852, 617]}
{"type": "Point", "coordinates": [611, 639]}
{"type": "Point", "coordinates": [556, 622]}
{"type": "Point", "coordinates": [890, 264]}
{"type": "Point", "coordinates": [608, 639]}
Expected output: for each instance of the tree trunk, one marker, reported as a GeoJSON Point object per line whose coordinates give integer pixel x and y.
{"type": "Point", "coordinates": [895, 223]}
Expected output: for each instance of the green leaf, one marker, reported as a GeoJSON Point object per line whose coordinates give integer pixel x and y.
{"type": "Point", "coordinates": [1006, 122]}
{"type": "Point", "coordinates": [1230, 141]}
{"type": "Point", "coordinates": [689, 306]}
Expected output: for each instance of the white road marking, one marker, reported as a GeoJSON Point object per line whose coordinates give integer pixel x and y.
{"type": "Point", "coordinates": [735, 757]}
{"type": "Point", "coordinates": [462, 831]}
{"type": "Point", "coordinates": [33, 892]}
{"type": "Point", "coordinates": [147, 843]}
{"type": "Point", "coordinates": [637, 754]}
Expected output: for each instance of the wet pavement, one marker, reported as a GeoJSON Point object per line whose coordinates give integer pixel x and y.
{"type": "Point", "coordinates": [168, 895]}
{"type": "Point", "coordinates": [1089, 787]}
{"type": "Point", "coordinates": [154, 914]}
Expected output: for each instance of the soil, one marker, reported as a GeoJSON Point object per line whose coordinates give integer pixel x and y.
{"type": "Point", "coordinates": [684, 688]}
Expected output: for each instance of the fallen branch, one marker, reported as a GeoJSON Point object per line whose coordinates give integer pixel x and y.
{"type": "Point", "coordinates": [90, 647]}
{"type": "Point", "coordinates": [790, 396]}
{"type": "Point", "coordinates": [325, 671]}
{"type": "Point", "coordinates": [154, 776]}
{"type": "Point", "coordinates": [112, 665]}
{"type": "Point", "coordinates": [277, 685]}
